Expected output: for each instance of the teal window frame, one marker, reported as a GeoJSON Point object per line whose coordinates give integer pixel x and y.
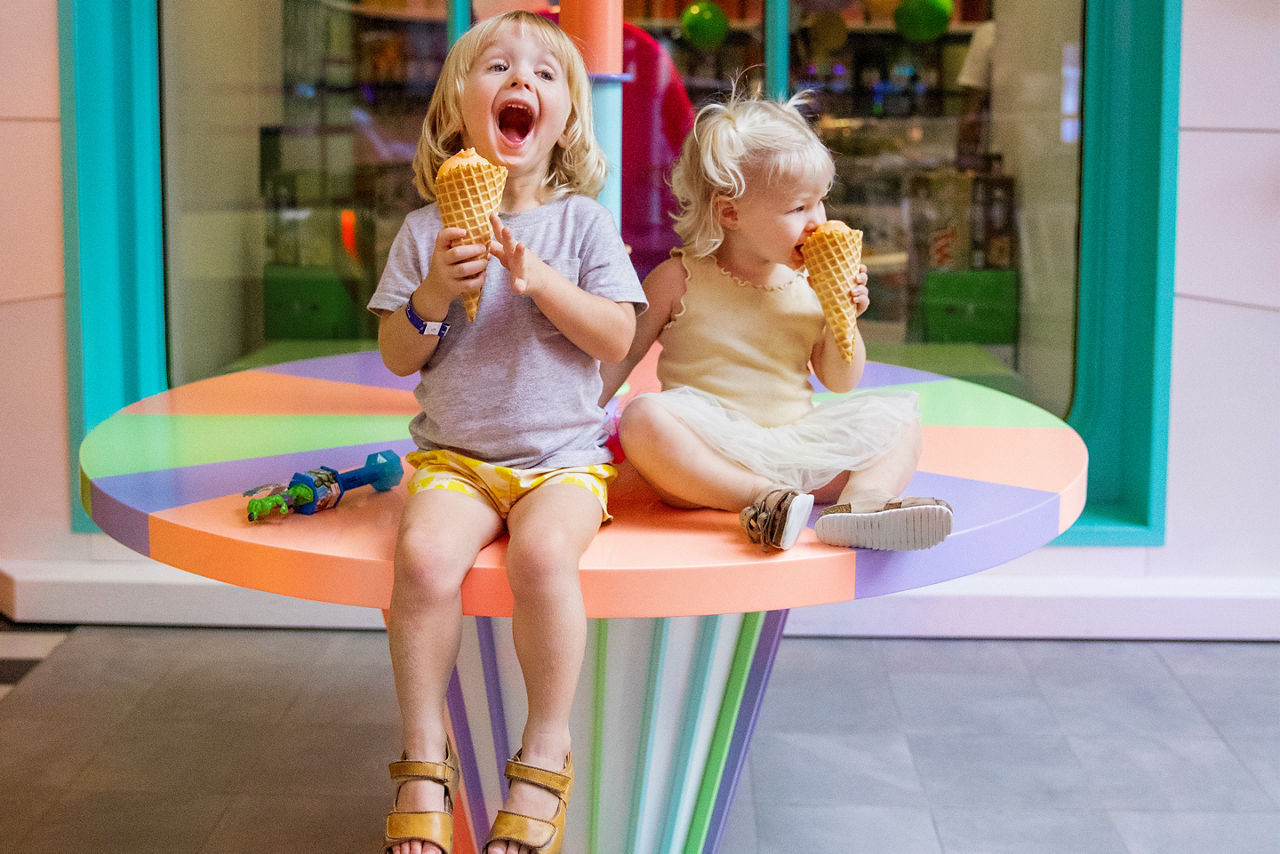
{"type": "Point", "coordinates": [116, 349]}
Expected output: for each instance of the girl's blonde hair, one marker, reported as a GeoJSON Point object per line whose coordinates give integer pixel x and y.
{"type": "Point", "coordinates": [743, 141]}
{"type": "Point", "coordinates": [577, 166]}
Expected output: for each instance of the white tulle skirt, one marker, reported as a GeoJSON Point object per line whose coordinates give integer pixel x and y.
{"type": "Point", "coordinates": [841, 434]}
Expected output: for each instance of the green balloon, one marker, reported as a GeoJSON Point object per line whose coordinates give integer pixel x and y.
{"type": "Point", "coordinates": [922, 20]}
{"type": "Point", "coordinates": [704, 25]}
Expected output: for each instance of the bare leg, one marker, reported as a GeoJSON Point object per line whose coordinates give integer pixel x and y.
{"type": "Point", "coordinates": [550, 529]}
{"type": "Point", "coordinates": [681, 468]}
{"type": "Point", "coordinates": [424, 625]}
{"type": "Point", "coordinates": [869, 489]}
{"type": "Point", "coordinates": [867, 521]}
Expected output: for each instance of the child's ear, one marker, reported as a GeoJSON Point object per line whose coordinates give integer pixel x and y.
{"type": "Point", "coordinates": [726, 212]}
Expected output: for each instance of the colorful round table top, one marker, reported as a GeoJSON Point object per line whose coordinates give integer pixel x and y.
{"type": "Point", "coordinates": [166, 477]}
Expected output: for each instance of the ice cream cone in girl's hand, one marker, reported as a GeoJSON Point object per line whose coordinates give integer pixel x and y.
{"type": "Point", "coordinates": [468, 189]}
{"type": "Point", "coordinates": [831, 255]}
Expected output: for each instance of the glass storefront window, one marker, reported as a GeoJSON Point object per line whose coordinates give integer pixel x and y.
{"type": "Point", "coordinates": [289, 127]}
{"type": "Point", "coordinates": [957, 151]}
{"type": "Point", "coordinates": [289, 130]}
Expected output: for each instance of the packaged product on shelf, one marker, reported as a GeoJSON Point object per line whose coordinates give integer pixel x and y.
{"type": "Point", "coordinates": [993, 235]}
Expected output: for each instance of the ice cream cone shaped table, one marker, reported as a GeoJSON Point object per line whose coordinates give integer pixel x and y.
{"type": "Point", "coordinates": [686, 613]}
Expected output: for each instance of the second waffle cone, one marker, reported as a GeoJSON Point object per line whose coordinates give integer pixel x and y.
{"type": "Point", "coordinates": [468, 189]}
{"type": "Point", "coordinates": [831, 255]}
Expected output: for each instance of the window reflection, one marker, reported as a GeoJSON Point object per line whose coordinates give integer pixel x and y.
{"type": "Point", "coordinates": [290, 126]}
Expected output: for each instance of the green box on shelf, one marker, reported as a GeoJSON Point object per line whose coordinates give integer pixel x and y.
{"type": "Point", "coordinates": [976, 306]}
{"type": "Point", "coordinates": [306, 303]}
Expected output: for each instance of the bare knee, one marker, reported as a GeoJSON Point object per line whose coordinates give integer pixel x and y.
{"type": "Point", "coordinates": [429, 567]}
{"type": "Point", "coordinates": [643, 424]}
{"type": "Point", "coordinates": [542, 567]}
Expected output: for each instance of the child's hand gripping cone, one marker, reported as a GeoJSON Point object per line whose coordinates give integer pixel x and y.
{"type": "Point", "coordinates": [468, 189]}
{"type": "Point", "coordinates": [832, 254]}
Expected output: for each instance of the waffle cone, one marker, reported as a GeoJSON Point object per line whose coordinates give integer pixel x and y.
{"type": "Point", "coordinates": [831, 255]}
{"type": "Point", "coordinates": [468, 189]}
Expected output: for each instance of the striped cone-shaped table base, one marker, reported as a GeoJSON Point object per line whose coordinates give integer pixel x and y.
{"type": "Point", "coordinates": [662, 719]}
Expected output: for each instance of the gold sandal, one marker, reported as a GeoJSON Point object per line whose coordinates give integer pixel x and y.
{"type": "Point", "coordinates": [434, 827]}
{"type": "Point", "coordinates": [545, 837]}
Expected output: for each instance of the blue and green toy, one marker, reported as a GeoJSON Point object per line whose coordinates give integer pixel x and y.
{"type": "Point", "coordinates": [322, 488]}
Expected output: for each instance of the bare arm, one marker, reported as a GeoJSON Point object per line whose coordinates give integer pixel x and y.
{"type": "Point", "coordinates": [451, 271]}
{"type": "Point", "coordinates": [664, 287]}
{"type": "Point", "coordinates": [596, 324]}
{"type": "Point", "coordinates": [829, 366]}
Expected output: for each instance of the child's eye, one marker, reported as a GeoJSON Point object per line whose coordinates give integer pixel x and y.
{"type": "Point", "coordinates": [497, 65]}
{"type": "Point", "coordinates": [547, 75]}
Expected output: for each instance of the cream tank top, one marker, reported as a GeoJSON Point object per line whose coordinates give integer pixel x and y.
{"type": "Point", "coordinates": [747, 346]}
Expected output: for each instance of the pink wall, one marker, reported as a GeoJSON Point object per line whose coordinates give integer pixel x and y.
{"type": "Point", "coordinates": [33, 429]}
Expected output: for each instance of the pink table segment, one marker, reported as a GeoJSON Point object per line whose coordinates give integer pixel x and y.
{"type": "Point", "coordinates": [687, 613]}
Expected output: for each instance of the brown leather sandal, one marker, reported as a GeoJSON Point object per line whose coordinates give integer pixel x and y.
{"type": "Point", "coordinates": [545, 837]}
{"type": "Point", "coordinates": [435, 827]}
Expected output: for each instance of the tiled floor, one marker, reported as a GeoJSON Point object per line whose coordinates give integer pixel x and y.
{"type": "Point", "coordinates": [140, 740]}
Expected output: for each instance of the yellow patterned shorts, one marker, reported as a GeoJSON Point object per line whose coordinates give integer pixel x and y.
{"type": "Point", "coordinates": [499, 486]}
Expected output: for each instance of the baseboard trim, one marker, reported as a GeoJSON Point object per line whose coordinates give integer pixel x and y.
{"type": "Point", "coordinates": [1079, 607]}
{"type": "Point", "coordinates": [144, 592]}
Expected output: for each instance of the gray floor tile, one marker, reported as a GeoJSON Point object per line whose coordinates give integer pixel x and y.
{"type": "Point", "coordinates": [816, 688]}
{"type": "Point", "coordinates": [317, 825]}
{"type": "Point", "coordinates": [1027, 831]}
{"type": "Point", "coordinates": [1026, 772]}
{"type": "Point", "coordinates": [152, 739]}
{"type": "Point", "coordinates": [979, 704]}
{"type": "Point", "coordinates": [324, 760]}
{"type": "Point", "coordinates": [1141, 696]}
{"type": "Point", "coordinates": [857, 830]}
{"type": "Point", "coordinates": [1260, 660]}
{"type": "Point", "coordinates": [1138, 773]}
{"type": "Point", "coordinates": [739, 835]}
{"type": "Point", "coordinates": [968, 657]}
{"type": "Point", "coordinates": [19, 812]}
{"type": "Point", "coordinates": [1262, 758]}
{"type": "Point", "coordinates": [125, 823]}
{"type": "Point", "coordinates": [203, 691]}
{"type": "Point", "coordinates": [815, 659]}
{"type": "Point", "coordinates": [160, 755]}
{"type": "Point", "coordinates": [47, 753]}
{"type": "Point", "coordinates": [94, 674]}
{"type": "Point", "coordinates": [1198, 833]}
{"type": "Point", "coordinates": [1238, 705]}
{"type": "Point", "coordinates": [353, 684]}
{"type": "Point", "coordinates": [856, 769]}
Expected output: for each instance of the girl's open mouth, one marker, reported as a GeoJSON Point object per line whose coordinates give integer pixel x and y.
{"type": "Point", "coordinates": [515, 121]}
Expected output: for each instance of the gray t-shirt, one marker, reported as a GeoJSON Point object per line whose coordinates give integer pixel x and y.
{"type": "Point", "coordinates": [509, 388]}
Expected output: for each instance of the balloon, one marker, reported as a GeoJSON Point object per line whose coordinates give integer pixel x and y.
{"type": "Point", "coordinates": [827, 32]}
{"type": "Point", "coordinates": [704, 24]}
{"type": "Point", "coordinates": [923, 20]}
{"type": "Point", "coordinates": [880, 8]}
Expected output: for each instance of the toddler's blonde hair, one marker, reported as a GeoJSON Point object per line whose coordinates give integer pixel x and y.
{"type": "Point", "coordinates": [577, 166]}
{"type": "Point", "coordinates": [743, 141]}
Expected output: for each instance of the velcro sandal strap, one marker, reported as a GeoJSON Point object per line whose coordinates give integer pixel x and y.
{"type": "Point", "coordinates": [553, 781]}
{"type": "Point", "coordinates": [434, 827]}
{"type": "Point", "coordinates": [522, 829]}
{"type": "Point", "coordinates": [408, 769]}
